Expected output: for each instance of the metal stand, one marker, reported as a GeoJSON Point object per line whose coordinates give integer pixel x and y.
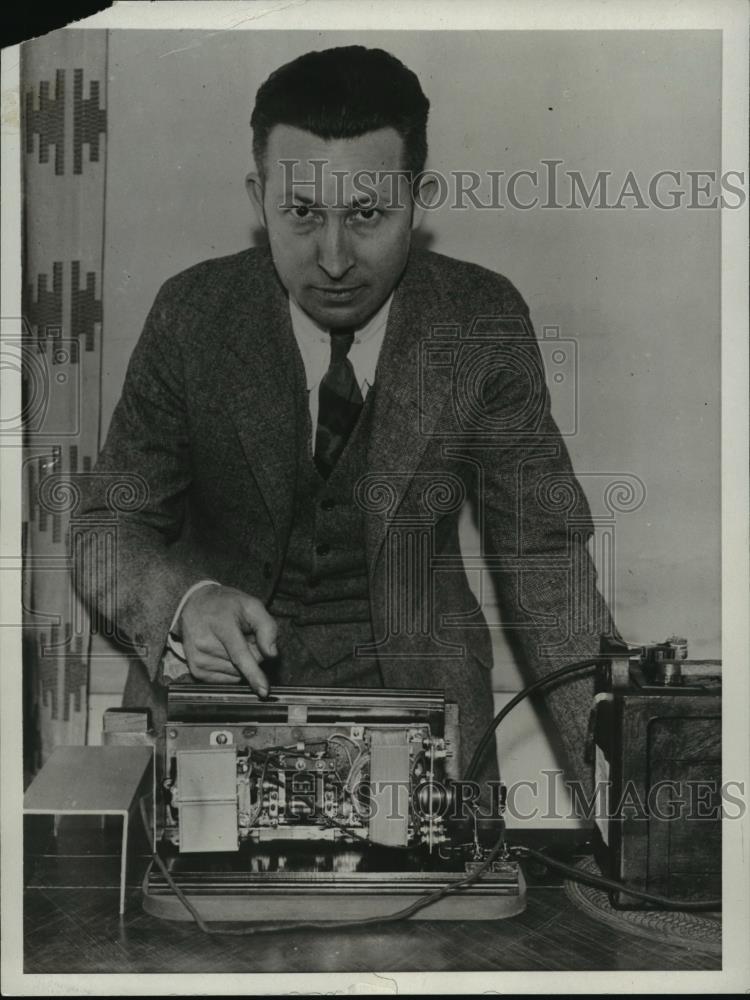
{"type": "Point", "coordinates": [99, 781]}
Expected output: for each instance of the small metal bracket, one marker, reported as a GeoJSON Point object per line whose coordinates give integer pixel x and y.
{"type": "Point", "coordinates": [620, 671]}
{"type": "Point", "coordinates": [297, 715]}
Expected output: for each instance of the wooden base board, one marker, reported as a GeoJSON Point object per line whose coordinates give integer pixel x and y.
{"type": "Point", "coordinates": [268, 899]}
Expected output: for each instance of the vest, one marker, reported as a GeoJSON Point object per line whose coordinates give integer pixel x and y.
{"type": "Point", "coordinates": [323, 590]}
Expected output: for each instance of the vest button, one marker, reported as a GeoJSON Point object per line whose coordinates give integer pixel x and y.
{"type": "Point", "coordinates": [323, 549]}
{"type": "Point", "coordinates": [267, 570]}
{"type": "Point", "coordinates": [328, 504]}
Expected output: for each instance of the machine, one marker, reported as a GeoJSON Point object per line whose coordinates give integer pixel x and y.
{"type": "Point", "coordinates": [319, 803]}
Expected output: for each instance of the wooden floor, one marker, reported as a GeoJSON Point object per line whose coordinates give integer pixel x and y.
{"type": "Point", "coordinates": [71, 925]}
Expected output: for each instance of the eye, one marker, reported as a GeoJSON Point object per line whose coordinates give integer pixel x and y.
{"type": "Point", "coordinates": [366, 215]}
{"type": "Point", "coordinates": [301, 213]}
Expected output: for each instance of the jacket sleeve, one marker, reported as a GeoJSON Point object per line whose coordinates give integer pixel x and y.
{"type": "Point", "coordinates": [133, 557]}
{"type": "Point", "coordinates": [536, 528]}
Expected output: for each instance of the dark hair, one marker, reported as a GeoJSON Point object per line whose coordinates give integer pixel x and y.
{"type": "Point", "coordinates": [343, 93]}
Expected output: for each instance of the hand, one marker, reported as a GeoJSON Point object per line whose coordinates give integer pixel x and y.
{"type": "Point", "coordinates": [225, 635]}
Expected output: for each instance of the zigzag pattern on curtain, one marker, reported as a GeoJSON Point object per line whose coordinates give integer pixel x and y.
{"type": "Point", "coordinates": [64, 148]}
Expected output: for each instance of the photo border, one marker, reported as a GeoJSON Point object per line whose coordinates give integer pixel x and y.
{"type": "Point", "coordinates": [506, 16]}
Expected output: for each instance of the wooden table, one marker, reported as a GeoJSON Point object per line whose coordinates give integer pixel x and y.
{"type": "Point", "coordinates": [71, 925]}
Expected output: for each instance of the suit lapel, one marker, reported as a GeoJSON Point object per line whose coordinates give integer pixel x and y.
{"type": "Point", "coordinates": [263, 379]}
{"type": "Point", "coordinates": [263, 399]}
{"type": "Point", "coordinates": [407, 406]}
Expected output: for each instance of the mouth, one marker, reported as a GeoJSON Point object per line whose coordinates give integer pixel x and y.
{"type": "Point", "coordinates": [337, 293]}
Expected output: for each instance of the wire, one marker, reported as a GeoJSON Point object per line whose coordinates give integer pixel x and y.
{"type": "Point", "coordinates": [500, 846]}
{"type": "Point", "coordinates": [344, 736]}
{"type": "Point", "coordinates": [602, 882]}
{"type": "Point", "coordinates": [355, 772]}
{"type": "Point", "coordinates": [599, 881]}
{"type": "Point", "coordinates": [486, 739]}
{"type": "Point", "coordinates": [317, 925]}
{"type": "Point", "coordinates": [259, 795]}
{"type": "Point", "coordinates": [335, 825]}
{"type": "Point", "coordinates": [340, 736]}
{"type": "Point", "coordinates": [361, 837]}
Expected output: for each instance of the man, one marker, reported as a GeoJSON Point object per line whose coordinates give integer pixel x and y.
{"type": "Point", "coordinates": [309, 418]}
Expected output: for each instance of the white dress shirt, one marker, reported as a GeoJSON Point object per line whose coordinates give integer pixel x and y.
{"type": "Point", "coordinates": [314, 343]}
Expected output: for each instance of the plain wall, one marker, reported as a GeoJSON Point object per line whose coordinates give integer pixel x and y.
{"type": "Point", "coordinates": [638, 290]}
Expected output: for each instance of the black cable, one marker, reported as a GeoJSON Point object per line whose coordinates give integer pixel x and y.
{"type": "Point", "coordinates": [602, 882]}
{"type": "Point", "coordinates": [300, 925]}
{"type": "Point", "coordinates": [489, 732]}
{"type": "Point", "coordinates": [599, 881]}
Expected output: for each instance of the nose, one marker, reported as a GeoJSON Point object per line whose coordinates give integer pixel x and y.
{"type": "Point", "coordinates": [334, 251]}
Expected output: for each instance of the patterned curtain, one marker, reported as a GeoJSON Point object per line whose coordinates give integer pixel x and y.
{"type": "Point", "coordinates": [64, 121]}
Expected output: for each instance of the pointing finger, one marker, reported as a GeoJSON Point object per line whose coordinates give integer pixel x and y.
{"type": "Point", "coordinates": [243, 659]}
{"type": "Point", "coordinates": [263, 625]}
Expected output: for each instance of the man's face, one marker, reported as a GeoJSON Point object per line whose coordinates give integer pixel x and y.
{"type": "Point", "coordinates": [339, 229]}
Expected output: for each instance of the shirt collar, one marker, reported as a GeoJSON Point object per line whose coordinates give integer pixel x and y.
{"type": "Point", "coordinates": [305, 327]}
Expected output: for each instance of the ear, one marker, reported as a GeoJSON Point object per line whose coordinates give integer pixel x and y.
{"type": "Point", "coordinates": [424, 196]}
{"type": "Point", "coordinates": [254, 188]}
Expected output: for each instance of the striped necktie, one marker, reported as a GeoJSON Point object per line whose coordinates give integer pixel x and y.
{"type": "Point", "coordinates": [340, 403]}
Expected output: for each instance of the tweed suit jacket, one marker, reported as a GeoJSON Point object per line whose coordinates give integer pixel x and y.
{"type": "Point", "coordinates": [208, 424]}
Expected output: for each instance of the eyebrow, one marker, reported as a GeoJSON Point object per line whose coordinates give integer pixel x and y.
{"type": "Point", "coordinates": [303, 199]}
